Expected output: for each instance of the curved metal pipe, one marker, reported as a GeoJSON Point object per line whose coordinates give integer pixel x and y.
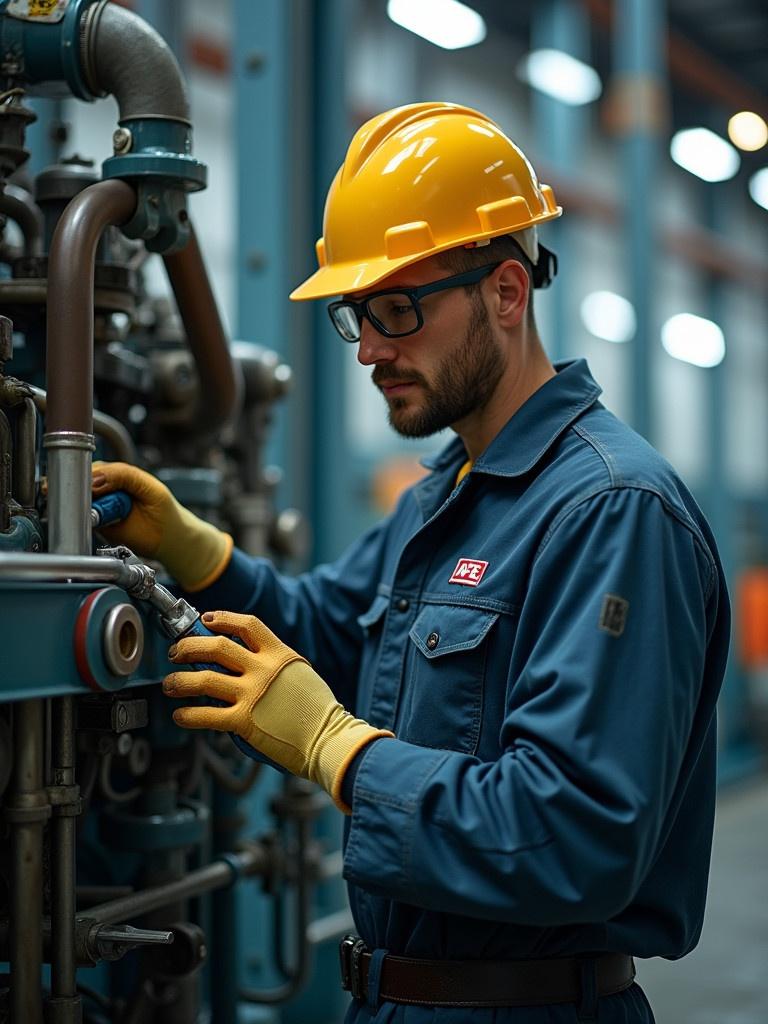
{"type": "Point", "coordinates": [106, 427]}
{"type": "Point", "coordinates": [220, 379]}
{"type": "Point", "coordinates": [18, 204]}
{"type": "Point", "coordinates": [71, 264]}
{"type": "Point", "coordinates": [124, 56]}
{"type": "Point", "coordinates": [69, 423]}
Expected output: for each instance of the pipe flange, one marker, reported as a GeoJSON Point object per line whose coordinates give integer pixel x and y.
{"type": "Point", "coordinates": [108, 640]}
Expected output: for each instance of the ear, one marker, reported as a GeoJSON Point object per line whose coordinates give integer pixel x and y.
{"type": "Point", "coordinates": [510, 293]}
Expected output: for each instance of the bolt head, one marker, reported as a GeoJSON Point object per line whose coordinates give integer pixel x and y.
{"type": "Point", "coordinates": [121, 140]}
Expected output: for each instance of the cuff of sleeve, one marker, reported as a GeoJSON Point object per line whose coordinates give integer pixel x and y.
{"type": "Point", "coordinates": [233, 588]}
{"type": "Point", "coordinates": [388, 786]}
{"type": "Point", "coordinates": [218, 569]}
{"type": "Point", "coordinates": [348, 782]}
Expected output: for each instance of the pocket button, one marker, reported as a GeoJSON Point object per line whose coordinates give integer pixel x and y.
{"type": "Point", "coordinates": [433, 640]}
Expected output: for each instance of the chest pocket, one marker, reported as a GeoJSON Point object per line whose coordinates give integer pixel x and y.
{"type": "Point", "coordinates": [445, 677]}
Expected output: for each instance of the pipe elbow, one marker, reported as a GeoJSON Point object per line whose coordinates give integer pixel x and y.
{"type": "Point", "coordinates": [123, 56]}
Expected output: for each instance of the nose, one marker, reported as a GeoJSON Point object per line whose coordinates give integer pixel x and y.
{"type": "Point", "coordinates": [373, 348]}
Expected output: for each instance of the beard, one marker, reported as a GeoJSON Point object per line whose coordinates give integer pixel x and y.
{"type": "Point", "coordinates": [463, 382]}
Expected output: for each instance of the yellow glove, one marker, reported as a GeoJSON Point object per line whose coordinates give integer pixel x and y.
{"type": "Point", "coordinates": [194, 552]}
{"type": "Point", "coordinates": [277, 702]}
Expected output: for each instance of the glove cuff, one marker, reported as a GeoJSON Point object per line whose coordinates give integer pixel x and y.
{"type": "Point", "coordinates": [341, 740]}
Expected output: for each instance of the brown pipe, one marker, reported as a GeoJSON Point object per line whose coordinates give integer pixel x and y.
{"type": "Point", "coordinates": [71, 264]}
{"type": "Point", "coordinates": [219, 380]}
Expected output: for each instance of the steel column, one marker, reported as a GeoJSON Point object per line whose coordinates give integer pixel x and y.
{"type": "Point", "coordinates": [638, 97]}
{"type": "Point", "coordinates": [559, 128]}
{"type": "Point", "coordinates": [334, 519]}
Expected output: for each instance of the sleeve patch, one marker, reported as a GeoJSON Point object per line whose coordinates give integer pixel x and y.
{"type": "Point", "coordinates": [613, 614]}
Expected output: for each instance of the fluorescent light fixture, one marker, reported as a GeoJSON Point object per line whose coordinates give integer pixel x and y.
{"type": "Point", "coordinates": [693, 339]}
{"type": "Point", "coordinates": [748, 131]}
{"type": "Point", "coordinates": [758, 187]}
{"type": "Point", "coordinates": [445, 23]}
{"type": "Point", "coordinates": [608, 316]}
{"type": "Point", "coordinates": [704, 154]}
{"type": "Point", "coordinates": [561, 76]}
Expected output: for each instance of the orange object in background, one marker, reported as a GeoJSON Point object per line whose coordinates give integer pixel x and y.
{"type": "Point", "coordinates": [390, 479]}
{"type": "Point", "coordinates": [752, 617]}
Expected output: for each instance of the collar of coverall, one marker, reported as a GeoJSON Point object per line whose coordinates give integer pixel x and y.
{"type": "Point", "coordinates": [527, 436]}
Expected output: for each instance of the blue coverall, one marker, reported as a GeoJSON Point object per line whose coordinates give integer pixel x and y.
{"type": "Point", "coordinates": [551, 788]}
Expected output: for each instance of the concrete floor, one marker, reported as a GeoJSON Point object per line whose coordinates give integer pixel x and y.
{"type": "Point", "coordinates": [725, 979]}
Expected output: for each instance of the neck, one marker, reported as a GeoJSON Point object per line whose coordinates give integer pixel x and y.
{"type": "Point", "coordinates": [524, 374]}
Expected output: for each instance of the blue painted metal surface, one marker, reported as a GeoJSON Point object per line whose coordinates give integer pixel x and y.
{"type": "Point", "coordinates": [337, 511]}
{"type": "Point", "coordinates": [49, 52]}
{"type": "Point", "coordinates": [638, 60]}
{"type": "Point", "coordinates": [559, 133]}
{"type": "Point", "coordinates": [31, 668]}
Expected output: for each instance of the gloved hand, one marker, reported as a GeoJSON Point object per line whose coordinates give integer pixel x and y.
{"type": "Point", "coordinates": [194, 552]}
{"type": "Point", "coordinates": [278, 703]}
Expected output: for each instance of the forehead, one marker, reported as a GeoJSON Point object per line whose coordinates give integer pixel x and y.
{"type": "Point", "coordinates": [412, 276]}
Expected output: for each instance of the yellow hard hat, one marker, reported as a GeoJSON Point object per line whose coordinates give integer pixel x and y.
{"type": "Point", "coordinates": [417, 180]}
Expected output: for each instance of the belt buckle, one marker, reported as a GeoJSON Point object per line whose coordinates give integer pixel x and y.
{"type": "Point", "coordinates": [350, 951]}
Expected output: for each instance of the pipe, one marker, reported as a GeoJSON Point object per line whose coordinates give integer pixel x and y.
{"type": "Point", "coordinates": [106, 427]}
{"type": "Point", "coordinates": [62, 568]}
{"type": "Point", "coordinates": [223, 872]}
{"type": "Point", "coordinates": [64, 995]}
{"type": "Point", "coordinates": [6, 454]}
{"type": "Point", "coordinates": [27, 810]}
{"type": "Point", "coordinates": [26, 454]}
{"type": "Point", "coordinates": [71, 264]}
{"type": "Point", "coordinates": [124, 56]}
{"type": "Point", "coordinates": [69, 420]}
{"type": "Point", "coordinates": [19, 205]}
{"type": "Point", "coordinates": [220, 379]}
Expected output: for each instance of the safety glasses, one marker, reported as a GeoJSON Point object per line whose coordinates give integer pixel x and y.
{"type": "Point", "coordinates": [396, 313]}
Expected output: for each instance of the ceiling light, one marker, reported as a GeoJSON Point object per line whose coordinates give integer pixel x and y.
{"type": "Point", "coordinates": [446, 23]}
{"type": "Point", "coordinates": [748, 131]}
{"type": "Point", "coordinates": [758, 187]}
{"type": "Point", "coordinates": [561, 76]}
{"type": "Point", "coordinates": [608, 316]}
{"type": "Point", "coordinates": [704, 154]}
{"type": "Point", "coordinates": [693, 339]}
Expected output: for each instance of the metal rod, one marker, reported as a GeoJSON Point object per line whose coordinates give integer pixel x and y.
{"type": "Point", "coordinates": [63, 961]}
{"type": "Point", "coordinates": [27, 810]}
{"type": "Point", "coordinates": [220, 381]}
{"type": "Point", "coordinates": [253, 861]}
{"type": "Point", "coordinates": [61, 568]}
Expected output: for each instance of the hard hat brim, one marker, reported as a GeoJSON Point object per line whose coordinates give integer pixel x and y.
{"type": "Point", "coordinates": [345, 278]}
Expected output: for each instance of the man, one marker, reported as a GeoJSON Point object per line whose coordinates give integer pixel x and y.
{"type": "Point", "coordinates": [533, 641]}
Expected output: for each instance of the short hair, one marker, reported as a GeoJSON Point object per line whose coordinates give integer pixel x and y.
{"type": "Point", "coordinates": [504, 247]}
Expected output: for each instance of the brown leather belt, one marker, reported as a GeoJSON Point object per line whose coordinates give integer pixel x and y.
{"type": "Point", "coordinates": [482, 982]}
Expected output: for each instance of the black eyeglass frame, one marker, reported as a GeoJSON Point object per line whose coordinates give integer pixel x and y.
{"type": "Point", "coordinates": [361, 309]}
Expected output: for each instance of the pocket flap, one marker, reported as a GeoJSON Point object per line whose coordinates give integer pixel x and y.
{"type": "Point", "coordinates": [446, 629]}
{"type": "Point", "coordinates": [374, 613]}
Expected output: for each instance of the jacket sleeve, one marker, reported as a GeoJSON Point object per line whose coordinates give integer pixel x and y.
{"type": "Point", "coordinates": [608, 703]}
{"type": "Point", "coordinates": [314, 613]}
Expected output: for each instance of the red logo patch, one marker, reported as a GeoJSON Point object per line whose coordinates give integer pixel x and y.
{"type": "Point", "coordinates": [468, 572]}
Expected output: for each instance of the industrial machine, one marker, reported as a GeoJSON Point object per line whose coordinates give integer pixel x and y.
{"type": "Point", "coordinates": [129, 846]}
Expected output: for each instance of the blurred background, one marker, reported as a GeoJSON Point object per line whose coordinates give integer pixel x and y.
{"type": "Point", "coordinates": [648, 119]}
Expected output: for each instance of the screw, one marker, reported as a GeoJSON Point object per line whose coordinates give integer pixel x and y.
{"type": "Point", "coordinates": [121, 140]}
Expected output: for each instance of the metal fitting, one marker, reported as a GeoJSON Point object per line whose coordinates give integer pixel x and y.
{"type": "Point", "coordinates": [123, 639]}
{"type": "Point", "coordinates": [122, 140]}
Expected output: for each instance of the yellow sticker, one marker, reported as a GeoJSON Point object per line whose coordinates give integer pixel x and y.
{"type": "Point", "coordinates": [38, 10]}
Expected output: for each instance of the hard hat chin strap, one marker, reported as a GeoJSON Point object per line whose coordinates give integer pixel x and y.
{"type": "Point", "coordinates": [545, 269]}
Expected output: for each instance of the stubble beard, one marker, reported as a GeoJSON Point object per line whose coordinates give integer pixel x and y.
{"type": "Point", "coordinates": [464, 382]}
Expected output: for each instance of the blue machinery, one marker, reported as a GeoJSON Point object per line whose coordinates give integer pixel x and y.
{"type": "Point", "coordinates": [128, 844]}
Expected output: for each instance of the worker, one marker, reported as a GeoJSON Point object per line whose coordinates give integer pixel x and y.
{"type": "Point", "coordinates": [508, 685]}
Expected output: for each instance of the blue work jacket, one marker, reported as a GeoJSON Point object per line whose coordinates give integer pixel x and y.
{"type": "Point", "coordinates": [547, 641]}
